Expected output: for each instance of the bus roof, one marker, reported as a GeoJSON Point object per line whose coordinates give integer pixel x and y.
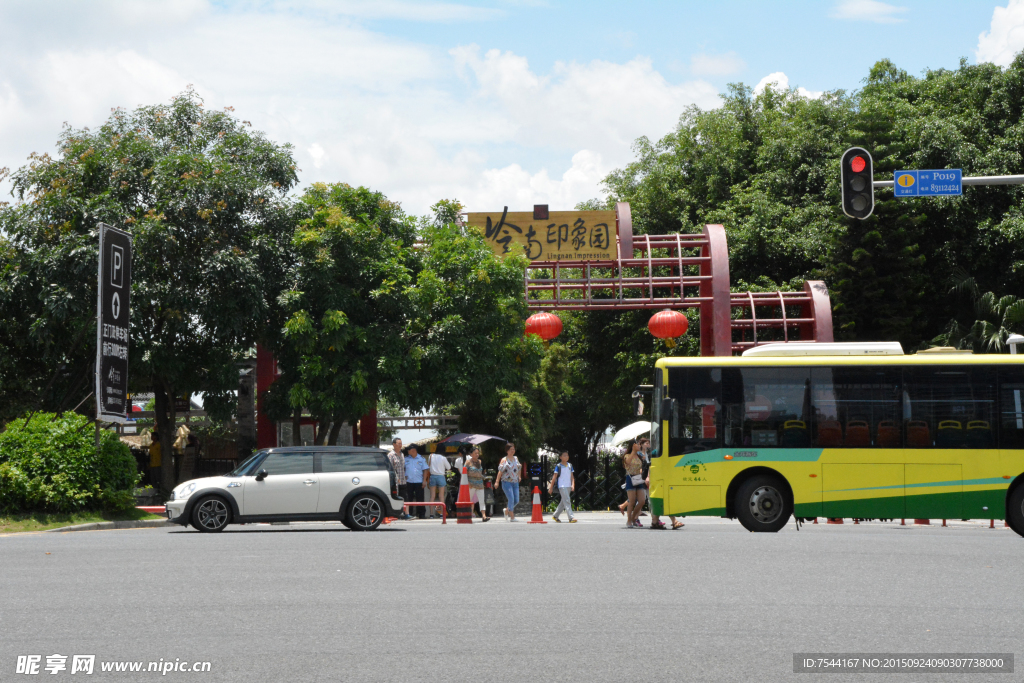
{"type": "Point", "coordinates": [932, 357]}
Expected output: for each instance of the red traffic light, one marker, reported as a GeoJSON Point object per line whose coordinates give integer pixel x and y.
{"type": "Point", "coordinates": [857, 164]}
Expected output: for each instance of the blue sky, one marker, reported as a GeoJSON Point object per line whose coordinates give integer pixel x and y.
{"type": "Point", "coordinates": [495, 103]}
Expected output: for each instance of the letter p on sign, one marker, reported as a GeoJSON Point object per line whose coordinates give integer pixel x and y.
{"type": "Point", "coordinates": [116, 266]}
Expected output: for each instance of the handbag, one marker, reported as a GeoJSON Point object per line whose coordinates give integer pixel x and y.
{"type": "Point", "coordinates": [637, 479]}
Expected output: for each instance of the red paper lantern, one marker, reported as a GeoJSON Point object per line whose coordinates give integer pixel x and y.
{"type": "Point", "coordinates": [547, 326]}
{"type": "Point", "coordinates": [668, 325]}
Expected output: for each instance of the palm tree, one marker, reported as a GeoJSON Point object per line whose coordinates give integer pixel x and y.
{"type": "Point", "coordinates": [994, 319]}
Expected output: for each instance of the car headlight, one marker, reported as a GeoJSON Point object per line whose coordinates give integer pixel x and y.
{"type": "Point", "coordinates": [184, 492]}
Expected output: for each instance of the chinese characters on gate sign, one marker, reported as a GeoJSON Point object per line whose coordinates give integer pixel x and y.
{"type": "Point", "coordinates": [564, 235]}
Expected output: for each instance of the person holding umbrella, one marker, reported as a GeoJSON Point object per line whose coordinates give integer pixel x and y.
{"type": "Point", "coordinates": [636, 487]}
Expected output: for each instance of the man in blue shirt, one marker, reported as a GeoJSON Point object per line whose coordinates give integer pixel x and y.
{"type": "Point", "coordinates": [415, 465]}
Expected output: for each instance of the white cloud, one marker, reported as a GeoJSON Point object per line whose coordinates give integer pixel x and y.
{"type": "Point", "coordinates": [414, 121]}
{"type": "Point", "coordinates": [716, 65]}
{"type": "Point", "coordinates": [869, 10]}
{"type": "Point", "coordinates": [577, 105]}
{"type": "Point", "coordinates": [1005, 37]}
{"type": "Point", "coordinates": [780, 81]}
{"type": "Point", "coordinates": [408, 10]}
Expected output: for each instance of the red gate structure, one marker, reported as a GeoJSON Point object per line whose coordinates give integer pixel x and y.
{"type": "Point", "coordinates": [678, 272]}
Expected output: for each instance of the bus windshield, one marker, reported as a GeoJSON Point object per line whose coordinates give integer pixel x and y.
{"type": "Point", "coordinates": [656, 415]}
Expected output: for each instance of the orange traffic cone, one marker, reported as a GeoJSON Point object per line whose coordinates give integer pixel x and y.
{"type": "Point", "coordinates": [538, 511]}
{"type": "Point", "coordinates": [464, 508]}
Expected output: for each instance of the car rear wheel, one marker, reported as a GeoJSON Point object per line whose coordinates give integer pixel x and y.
{"type": "Point", "coordinates": [365, 513]}
{"type": "Point", "coordinates": [763, 503]}
{"type": "Point", "coordinates": [211, 514]}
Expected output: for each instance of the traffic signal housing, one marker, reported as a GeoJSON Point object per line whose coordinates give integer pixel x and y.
{"type": "Point", "coordinates": [858, 177]}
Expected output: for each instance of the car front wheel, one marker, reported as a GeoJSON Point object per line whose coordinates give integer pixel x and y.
{"type": "Point", "coordinates": [365, 513]}
{"type": "Point", "coordinates": [211, 514]}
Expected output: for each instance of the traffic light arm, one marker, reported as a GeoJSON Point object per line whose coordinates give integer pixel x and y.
{"type": "Point", "coordinates": [975, 180]}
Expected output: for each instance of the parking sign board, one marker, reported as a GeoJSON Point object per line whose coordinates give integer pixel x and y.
{"type": "Point", "coordinates": [112, 324]}
{"type": "Point", "coordinates": [947, 182]}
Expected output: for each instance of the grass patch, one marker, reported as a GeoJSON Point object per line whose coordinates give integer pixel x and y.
{"type": "Point", "coordinates": [41, 521]}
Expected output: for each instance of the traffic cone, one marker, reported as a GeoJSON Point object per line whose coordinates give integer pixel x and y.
{"type": "Point", "coordinates": [922, 521]}
{"type": "Point", "coordinates": [463, 507]}
{"type": "Point", "coordinates": [538, 511]}
{"type": "Point", "coordinates": [834, 520]}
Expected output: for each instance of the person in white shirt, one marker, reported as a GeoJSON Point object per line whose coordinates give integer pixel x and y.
{"type": "Point", "coordinates": [437, 484]}
{"type": "Point", "coordinates": [565, 480]}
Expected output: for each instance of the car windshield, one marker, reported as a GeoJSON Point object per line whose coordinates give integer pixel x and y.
{"type": "Point", "coordinates": [240, 470]}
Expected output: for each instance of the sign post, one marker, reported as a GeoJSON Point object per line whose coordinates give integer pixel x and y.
{"type": "Point", "coordinates": [112, 324]}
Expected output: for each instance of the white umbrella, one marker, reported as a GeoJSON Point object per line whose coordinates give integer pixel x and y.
{"type": "Point", "coordinates": [631, 432]}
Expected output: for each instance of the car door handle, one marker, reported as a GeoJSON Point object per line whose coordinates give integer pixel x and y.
{"type": "Point", "coordinates": [309, 482]}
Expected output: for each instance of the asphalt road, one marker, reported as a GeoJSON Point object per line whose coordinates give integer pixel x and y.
{"type": "Point", "coordinates": [511, 602]}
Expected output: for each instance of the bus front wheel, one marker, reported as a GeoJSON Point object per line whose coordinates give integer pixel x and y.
{"type": "Point", "coordinates": [1015, 510]}
{"type": "Point", "coordinates": [763, 503]}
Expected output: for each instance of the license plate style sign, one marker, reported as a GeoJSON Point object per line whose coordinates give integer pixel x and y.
{"type": "Point", "coordinates": [934, 183]}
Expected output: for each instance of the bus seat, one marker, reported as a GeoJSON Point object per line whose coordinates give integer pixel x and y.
{"type": "Point", "coordinates": [888, 434]}
{"type": "Point", "coordinates": [830, 433]}
{"type": "Point", "coordinates": [918, 434]}
{"type": "Point", "coordinates": [794, 434]}
{"type": "Point", "coordinates": [979, 434]}
{"type": "Point", "coordinates": [858, 434]}
{"type": "Point", "coordinates": [950, 434]}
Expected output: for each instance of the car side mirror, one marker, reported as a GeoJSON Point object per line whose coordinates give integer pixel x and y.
{"type": "Point", "coordinates": [261, 475]}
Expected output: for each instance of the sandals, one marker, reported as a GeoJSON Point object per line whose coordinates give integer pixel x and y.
{"type": "Point", "coordinates": [677, 524]}
{"type": "Point", "coordinates": [657, 525]}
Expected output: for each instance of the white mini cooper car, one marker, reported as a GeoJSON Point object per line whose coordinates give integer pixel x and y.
{"type": "Point", "coordinates": [356, 486]}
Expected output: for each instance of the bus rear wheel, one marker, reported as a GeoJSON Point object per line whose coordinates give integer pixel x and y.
{"type": "Point", "coordinates": [1015, 510]}
{"type": "Point", "coordinates": [763, 503]}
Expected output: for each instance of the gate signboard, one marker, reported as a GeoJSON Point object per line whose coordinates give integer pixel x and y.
{"type": "Point", "coordinates": [112, 316]}
{"type": "Point", "coordinates": [557, 236]}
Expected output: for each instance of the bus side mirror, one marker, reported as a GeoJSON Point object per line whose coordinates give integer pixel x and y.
{"type": "Point", "coordinates": [670, 412]}
{"type": "Point", "coordinates": [638, 397]}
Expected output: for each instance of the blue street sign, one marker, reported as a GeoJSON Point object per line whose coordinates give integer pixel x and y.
{"type": "Point", "coordinates": [934, 183]}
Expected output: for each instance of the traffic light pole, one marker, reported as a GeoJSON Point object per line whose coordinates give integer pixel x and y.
{"type": "Point", "coordinates": [975, 180]}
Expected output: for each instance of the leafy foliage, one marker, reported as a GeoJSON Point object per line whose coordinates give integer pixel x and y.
{"type": "Point", "coordinates": [49, 463]}
{"type": "Point", "coordinates": [203, 198]}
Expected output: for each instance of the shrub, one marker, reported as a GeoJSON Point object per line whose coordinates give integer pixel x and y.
{"type": "Point", "coordinates": [50, 464]}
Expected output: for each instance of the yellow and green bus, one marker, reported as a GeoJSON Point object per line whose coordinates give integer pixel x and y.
{"type": "Point", "coordinates": [839, 430]}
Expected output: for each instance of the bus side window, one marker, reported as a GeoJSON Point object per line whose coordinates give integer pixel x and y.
{"type": "Point", "coordinates": [1011, 407]}
{"type": "Point", "coordinates": [950, 407]}
{"type": "Point", "coordinates": [767, 407]}
{"type": "Point", "coordinates": [856, 407]}
{"type": "Point", "coordinates": [697, 393]}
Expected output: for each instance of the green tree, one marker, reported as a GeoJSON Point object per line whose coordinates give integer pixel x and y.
{"type": "Point", "coordinates": [384, 308]}
{"type": "Point", "coordinates": [204, 198]}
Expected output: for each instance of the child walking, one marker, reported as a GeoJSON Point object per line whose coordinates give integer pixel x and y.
{"type": "Point", "coordinates": [565, 479]}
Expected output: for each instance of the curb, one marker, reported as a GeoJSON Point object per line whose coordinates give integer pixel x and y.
{"type": "Point", "coordinates": [126, 524]}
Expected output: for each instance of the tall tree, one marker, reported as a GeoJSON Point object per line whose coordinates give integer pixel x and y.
{"type": "Point", "coordinates": [203, 196]}
{"type": "Point", "coordinates": [382, 307]}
